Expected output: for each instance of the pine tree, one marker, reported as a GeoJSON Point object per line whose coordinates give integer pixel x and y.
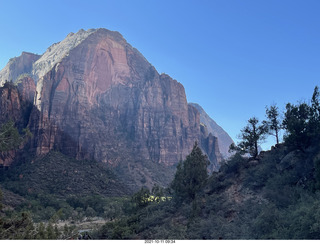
{"type": "Point", "coordinates": [50, 232]}
{"type": "Point", "coordinates": [314, 121]}
{"type": "Point", "coordinates": [317, 173]}
{"type": "Point", "coordinates": [191, 175]}
{"type": "Point", "coordinates": [41, 235]}
{"type": "Point", "coordinates": [140, 198]}
{"type": "Point", "coordinates": [302, 123]}
{"type": "Point", "coordinates": [251, 136]}
{"type": "Point", "coordinates": [296, 125]}
{"type": "Point", "coordinates": [9, 137]}
{"type": "Point", "coordinates": [273, 124]}
{"type": "Point", "coordinates": [56, 232]}
{"type": "Point", "coordinates": [1, 197]}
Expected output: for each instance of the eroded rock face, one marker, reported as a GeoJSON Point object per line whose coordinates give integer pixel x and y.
{"type": "Point", "coordinates": [13, 108]}
{"type": "Point", "coordinates": [104, 98]}
{"type": "Point", "coordinates": [96, 97]}
{"type": "Point", "coordinates": [224, 140]}
{"type": "Point", "coordinates": [210, 145]}
{"type": "Point", "coordinates": [10, 105]}
{"type": "Point", "coordinates": [27, 89]}
{"type": "Point", "coordinates": [18, 66]}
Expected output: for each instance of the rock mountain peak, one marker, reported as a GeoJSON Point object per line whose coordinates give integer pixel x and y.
{"type": "Point", "coordinates": [56, 52]}
{"type": "Point", "coordinates": [96, 97]}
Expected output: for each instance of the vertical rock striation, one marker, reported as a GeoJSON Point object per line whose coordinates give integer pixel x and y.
{"type": "Point", "coordinates": [13, 107]}
{"type": "Point", "coordinates": [96, 97]}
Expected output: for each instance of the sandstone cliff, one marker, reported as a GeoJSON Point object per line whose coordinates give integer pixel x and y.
{"type": "Point", "coordinates": [224, 140]}
{"type": "Point", "coordinates": [13, 108]}
{"type": "Point", "coordinates": [18, 66]}
{"type": "Point", "coordinates": [96, 97]}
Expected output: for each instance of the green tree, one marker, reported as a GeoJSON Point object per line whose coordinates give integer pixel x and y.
{"type": "Point", "coordinates": [191, 175]}
{"type": "Point", "coordinates": [90, 212]}
{"type": "Point", "coordinates": [296, 125]}
{"type": "Point", "coordinates": [17, 228]}
{"type": "Point", "coordinates": [9, 137]}
{"type": "Point", "coordinates": [41, 232]}
{"type": "Point", "coordinates": [56, 232]}
{"type": "Point", "coordinates": [302, 123]}
{"type": "Point", "coordinates": [50, 232]}
{"type": "Point", "coordinates": [317, 173]}
{"type": "Point", "coordinates": [273, 124]}
{"type": "Point", "coordinates": [140, 199]}
{"type": "Point", "coordinates": [1, 197]}
{"type": "Point", "coordinates": [314, 120]}
{"type": "Point", "coordinates": [157, 192]}
{"type": "Point", "coordinates": [251, 136]}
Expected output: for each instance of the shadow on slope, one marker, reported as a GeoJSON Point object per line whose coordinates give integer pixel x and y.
{"type": "Point", "coordinates": [60, 175]}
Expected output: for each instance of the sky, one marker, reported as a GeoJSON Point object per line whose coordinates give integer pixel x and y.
{"type": "Point", "coordinates": [233, 57]}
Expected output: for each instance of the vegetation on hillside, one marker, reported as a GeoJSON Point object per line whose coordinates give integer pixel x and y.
{"type": "Point", "coordinates": [56, 188]}
{"type": "Point", "coordinates": [273, 195]}
{"type": "Point", "coordinates": [267, 195]}
{"type": "Point", "coordinates": [10, 138]}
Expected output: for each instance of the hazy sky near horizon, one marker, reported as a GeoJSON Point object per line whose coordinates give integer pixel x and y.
{"type": "Point", "coordinates": [233, 57]}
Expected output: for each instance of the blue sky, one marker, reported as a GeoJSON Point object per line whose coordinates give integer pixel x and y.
{"type": "Point", "coordinates": [233, 57]}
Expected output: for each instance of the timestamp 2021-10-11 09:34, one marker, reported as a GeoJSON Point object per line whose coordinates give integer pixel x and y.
{"type": "Point", "coordinates": [160, 241]}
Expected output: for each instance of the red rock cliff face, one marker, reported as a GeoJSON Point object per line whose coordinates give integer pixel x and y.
{"type": "Point", "coordinates": [27, 89]}
{"type": "Point", "coordinates": [96, 97]}
{"type": "Point", "coordinates": [10, 105]}
{"type": "Point", "coordinates": [105, 101]}
{"type": "Point", "coordinates": [14, 108]}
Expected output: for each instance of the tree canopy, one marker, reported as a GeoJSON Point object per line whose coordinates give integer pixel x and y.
{"type": "Point", "coordinates": [302, 122]}
{"type": "Point", "coordinates": [191, 174]}
{"type": "Point", "coordinates": [9, 137]}
{"type": "Point", "coordinates": [251, 136]}
{"type": "Point", "coordinates": [273, 123]}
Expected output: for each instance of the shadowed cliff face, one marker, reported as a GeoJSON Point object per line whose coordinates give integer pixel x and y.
{"type": "Point", "coordinates": [100, 99]}
{"type": "Point", "coordinates": [106, 97]}
{"type": "Point", "coordinates": [9, 103]}
{"type": "Point", "coordinates": [13, 107]}
{"type": "Point", "coordinates": [224, 140]}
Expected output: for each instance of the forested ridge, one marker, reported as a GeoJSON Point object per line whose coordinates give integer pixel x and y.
{"type": "Point", "coordinates": [255, 195]}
